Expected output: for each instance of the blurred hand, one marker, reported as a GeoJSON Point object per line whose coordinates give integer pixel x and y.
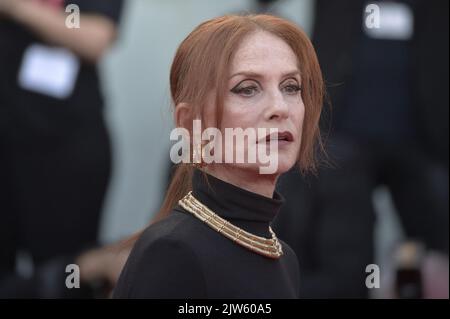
{"type": "Point", "coordinates": [104, 263]}
{"type": "Point", "coordinates": [7, 7]}
{"type": "Point", "coordinates": [40, 17]}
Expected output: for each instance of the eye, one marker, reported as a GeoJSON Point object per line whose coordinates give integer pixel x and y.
{"type": "Point", "coordinates": [245, 90]}
{"type": "Point", "coordinates": [291, 87]}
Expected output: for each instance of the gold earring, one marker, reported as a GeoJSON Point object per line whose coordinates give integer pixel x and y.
{"type": "Point", "coordinates": [197, 161]}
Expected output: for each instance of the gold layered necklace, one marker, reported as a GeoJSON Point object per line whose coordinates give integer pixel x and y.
{"type": "Point", "coordinates": [269, 247]}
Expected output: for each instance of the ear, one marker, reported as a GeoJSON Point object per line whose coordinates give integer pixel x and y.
{"type": "Point", "coordinates": [182, 115]}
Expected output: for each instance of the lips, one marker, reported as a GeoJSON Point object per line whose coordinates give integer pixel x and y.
{"type": "Point", "coordinates": [283, 137]}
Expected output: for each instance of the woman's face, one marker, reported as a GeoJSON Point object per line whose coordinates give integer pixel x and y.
{"type": "Point", "coordinates": [264, 91]}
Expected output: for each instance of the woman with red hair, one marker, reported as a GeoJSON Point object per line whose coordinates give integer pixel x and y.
{"type": "Point", "coordinates": [213, 238]}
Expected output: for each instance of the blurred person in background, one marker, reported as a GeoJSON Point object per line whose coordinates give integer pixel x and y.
{"type": "Point", "coordinates": [55, 155]}
{"type": "Point", "coordinates": [388, 88]}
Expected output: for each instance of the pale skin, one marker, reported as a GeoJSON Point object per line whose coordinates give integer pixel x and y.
{"type": "Point", "coordinates": [89, 42]}
{"type": "Point", "coordinates": [264, 91]}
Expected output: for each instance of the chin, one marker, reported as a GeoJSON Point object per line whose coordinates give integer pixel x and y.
{"type": "Point", "coordinates": [282, 167]}
{"type": "Point", "coordinates": [284, 164]}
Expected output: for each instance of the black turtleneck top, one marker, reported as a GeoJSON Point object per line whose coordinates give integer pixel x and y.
{"type": "Point", "coordinates": [182, 257]}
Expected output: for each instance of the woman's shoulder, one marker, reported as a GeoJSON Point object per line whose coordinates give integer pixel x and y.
{"type": "Point", "coordinates": [289, 254]}
{"type": "Point", "coordinates": [161, 260]}
{"type": "Point", "coordinates": [288, 251]}
{"type": "Point", "coordinates": [291, 260]}
{"type": "Point", "coordinates": [171, 234]}
{"type": "Point", "coordinates": [177, 227]}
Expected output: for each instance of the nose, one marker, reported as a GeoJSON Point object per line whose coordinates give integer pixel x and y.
{"type": "Point", "coordinates": [277, 108]}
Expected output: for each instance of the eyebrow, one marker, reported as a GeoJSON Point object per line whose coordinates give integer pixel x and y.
{"type": "Point", "coordinates": [259, 76]}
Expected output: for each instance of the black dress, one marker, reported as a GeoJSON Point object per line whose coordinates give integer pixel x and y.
{"type": "Point", "coordinates": [181, 257]}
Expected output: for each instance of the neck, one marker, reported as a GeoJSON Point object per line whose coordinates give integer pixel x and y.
{"type": "Point", "coordinates": [250, 180]}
